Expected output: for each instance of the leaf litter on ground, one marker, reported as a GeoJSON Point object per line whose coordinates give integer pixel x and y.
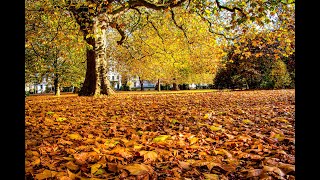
{"type": "Point", "coordinates": [217, 135]}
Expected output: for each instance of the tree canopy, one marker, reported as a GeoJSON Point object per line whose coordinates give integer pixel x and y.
{"type": "Point", "coordinates": [164, 39]}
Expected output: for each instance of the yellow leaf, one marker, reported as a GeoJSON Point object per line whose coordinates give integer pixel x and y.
{"type": "Point", "coordinates": [96, 150]}
{"type": "Point", "coordinates": [95, 167]}
{"type": "Point", "coordinates": [206, 116]}
{"type": "Point", "coordinates": [281, 119]}
{"type": "Point", "coordinates": [137, 147]}
{"type": "Point", "coordinates": [60, 119]}
{"type": "Point", "coordinates": [75, 136]}
{"type": "Point", "coordinates": [279, 137]}
{"type": "Point", "coordinates": [161, 138]}
{"type": "Point", "coordinates": [208, 11]}
{"type": "Point", "coordinates": [193, 140]}
{"type": "Point", "coordinates": [215, 128]}
{"type": "Point", "coordinates": [247, 121]}
{"type": "Point", "coordinates": [110, 143]}
{"type": "Point", "coordinates": [194, 146]}
{"type": "Point", "coordinates": [211, 176]}
{"type": "Point", "coordinates": [50, 112]}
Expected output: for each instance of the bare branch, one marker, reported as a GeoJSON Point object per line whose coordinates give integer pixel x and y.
{"type": "Point", "coordinates": [229, 9]}
{"type": "Point", "coordinates": [140, 3]}
{"type": "Point", "coordinates": [155, 28]}
{"type": "Point", "coordinates": [139, 19]}
{"type": "Point", "coordinates": [121, 32]}
{"type": "Point", "coordinates": [179, 26]}
{"type": "Point", "coordinates": [210, 29]}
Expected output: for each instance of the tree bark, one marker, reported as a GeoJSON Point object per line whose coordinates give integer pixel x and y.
{"type": "Point", "coordinates": [96, 81]}
{"type": "Point", "coordinates": [159, 88]}
{"type": "Point", "coordinates": [56, 85]}
{"type": "Point", "coordinates": [175, 87]}
{"type": "Point", "coordinates": [141, 84]}
{"type": "Point", "coordinates": [90, 85]}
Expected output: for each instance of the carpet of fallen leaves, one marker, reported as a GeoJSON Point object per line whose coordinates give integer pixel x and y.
{"type": "Point", "coordinates": [217, 135]}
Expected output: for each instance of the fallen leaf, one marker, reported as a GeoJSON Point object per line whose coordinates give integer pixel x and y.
{"type": "Point", "coordinates": [72, 166]}
{"type": "Point", "coordinates": [60, 119]}
{"type": "Point", "coordinates": [151, 155]}
{"type": "Point", "coordinates": [65, 178]}
{"type": "Point", "coordinates": [110, 143]}
{"type": "Point", "coordinates": [72, 175]}
{"type": "Point", "coordinates": [215, 128]}
{"type": "Point", "coordinates": [81, 158]}
{"type": "Point", "coordinates": [247, 121]}
{"type": "Point", "coordinates": [161, 138]}
{"type": "Point", "coordinates": [279, 137]}
{"type": "Point", "coordinates": [211, 176]}
{"type": "Point", "coordinates": [253, 172]}
{"type": "Point", "coordinates": [137, 146]}
{"type": "Point", "coordinates": [139, 169]}
{"type": "Point", "coordinates": [75, 136]}
{"type": "Point", "coordinates": [274, 169]}
{"type": "Point", "coordinates": [113, 167]}
{"type": "Point", "coordinates": [36, 162]}
{"type": "Point", "coordinates": [50, 112]}
{"type": "Point", "coordinates": [45, 174]}
{"type": "Point", "coordinates": [123, 152]}
{"type": "Point", "coordinates": [184, 165]}
{"type": "Point", "coordinates": [287, 168]}
{"type": "Point", "coordinates": [95, 168]}
{"type": "Point", "coordinates": [193, 140]}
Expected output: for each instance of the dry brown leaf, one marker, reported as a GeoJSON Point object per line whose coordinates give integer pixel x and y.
{"type": "Point", "coordinates": [139, 169]}
{"type": "Point", "coordinates": [45, 174]}
{"type": "Point", "coordinates": [72, 166]}
{"type": "Point", "coordinates": [274, 169]}
{"type": "Point", "coordinates": [184, 165]}
{"type": "Point", "coordinates": [149, 155]}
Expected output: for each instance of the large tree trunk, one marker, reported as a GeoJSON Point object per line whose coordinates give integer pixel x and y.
{"type": "Point", "coordinates": [56, 85]}
{"type": "Point", "coordinates": [90, 85]}
{"type": "Point", "coordinates": [96, 81]}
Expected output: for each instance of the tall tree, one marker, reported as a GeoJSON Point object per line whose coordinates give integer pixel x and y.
{"type": "Point", "coordinates": [54, 50]}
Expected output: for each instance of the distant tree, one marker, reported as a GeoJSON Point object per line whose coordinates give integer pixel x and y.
{"type": "Point", "coordinates": [279, 75]}
{"type": "Point", "coordinates": [54, 50]}
{"type": "Point", "coordinates": [254, 63]}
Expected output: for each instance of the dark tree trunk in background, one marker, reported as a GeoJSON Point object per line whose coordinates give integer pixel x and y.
{"type": "Point", "coordinates": [141, 84]}
{"type": "Point", "coordinates": [175, 87]}
{"type": "Point", "coordinates": [158, 87]}
{"type": "Point", "coordinates": [56, 85]}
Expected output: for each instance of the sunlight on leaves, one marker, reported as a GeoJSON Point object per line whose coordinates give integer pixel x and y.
{"type": "Point", "coordinates": [161, 138]}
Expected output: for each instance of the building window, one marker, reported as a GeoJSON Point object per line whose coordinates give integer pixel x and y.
{"type": "Point", "coordinates": [112, 78]}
